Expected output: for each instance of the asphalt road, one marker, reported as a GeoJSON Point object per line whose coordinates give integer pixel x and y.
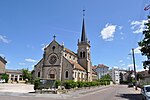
{"type": "Point", "coordinates": [117, 92]}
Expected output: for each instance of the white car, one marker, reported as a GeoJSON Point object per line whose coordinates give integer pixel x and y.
{"type": "Point", "coordinates": [145, 91]}
{"type": "Point", "coordinates": [2, 80]}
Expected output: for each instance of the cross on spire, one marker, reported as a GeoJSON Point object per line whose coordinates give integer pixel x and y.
{"type": "Point", "coordinates": [83, 12]}
{"type": "Point", "coordinates": [54, 37]}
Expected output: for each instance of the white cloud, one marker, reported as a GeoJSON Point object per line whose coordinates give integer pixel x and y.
{"type": "Point", "coordinates": [2, 55]}
{"type": "Point", "coordinates": [137, 50]}
{"type": "Point", "coordinates": [128, 58]}
{"type": "Point", "coordinates": [122, 38]}
{"type": "Point", "coordinates": [138, 26]}
{"type": "Point", "coordinates": [121, 33]}
{"type": "Point", "coordinates": [44, 46]}
{"type": "Point", "coordinates": [121, 61]}
{"type": "Point", "coordinates": [123, 64]}
{"type": "Point", "coordinates": [116, 67]}
{"type": "Point", "coordinates": [120, 27]}
{"type": "Point", "coordinates": [22, 64]}
{"type": "Point", "coordinates": [108, 31]}
{"type": "Point", "coordinates": [3, 39]}
{"type": "Point", "coordinates": [131, 66]}
{"type": "Point", "coordinates": [30, 60]}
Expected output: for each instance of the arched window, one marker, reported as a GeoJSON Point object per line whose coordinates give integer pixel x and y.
{"type": "Point", "coordinates": [66, 74]}
{"type": "Point", "coordinates": [80, 54]}
{"type": "Point", "coordinates": [83, 54]}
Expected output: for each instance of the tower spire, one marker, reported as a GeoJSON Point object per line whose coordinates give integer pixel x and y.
{"type": "Point", "coordinates": [83, 36]}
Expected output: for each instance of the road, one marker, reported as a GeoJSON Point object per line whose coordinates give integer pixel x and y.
{"type": "Point", "coordinates": [116, 92]}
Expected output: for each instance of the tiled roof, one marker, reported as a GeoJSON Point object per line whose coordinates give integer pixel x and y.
{"type": "Point", "coordinates": [144, 73]}
{"type": "Point", "coordinates": [77, 66]}
{"type": "Point", "coordinates": [102, 66]}
{"type": "Point", "coordinates": [13, 71]}
{"type": "Point", "coordinates": [71, 52]}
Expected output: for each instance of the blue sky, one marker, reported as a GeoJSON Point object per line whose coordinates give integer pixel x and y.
{"type": "Point", "coordinates": [113, 26]}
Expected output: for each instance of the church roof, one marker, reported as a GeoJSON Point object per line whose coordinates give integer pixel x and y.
{"type": "Point", "coordinates": [83, 37]}
{"type": "Point", "coordinates": [71, 52]}
{"type": "Point", "coordinates": [77, 65]}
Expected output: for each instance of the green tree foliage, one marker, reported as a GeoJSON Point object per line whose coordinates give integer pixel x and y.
{"type": "Point", "coordinates": [57, 83]}
{"type": "Point", "coordinates": [121, 78]}
{"type": "Point", "coordinates": [105, 80]}
{"type": "Point", "coordinates": [5, 76]}
{"type": "Point", "coordinates": [26, 75]}
{"type": "Point", "coordinates": [145, 44]}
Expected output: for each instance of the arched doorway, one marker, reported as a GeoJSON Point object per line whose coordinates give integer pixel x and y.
{"type": "Point", "coordinates": [52, 74]}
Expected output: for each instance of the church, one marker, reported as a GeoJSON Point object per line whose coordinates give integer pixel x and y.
{"type": "Point", "coordinates": [60, 63]}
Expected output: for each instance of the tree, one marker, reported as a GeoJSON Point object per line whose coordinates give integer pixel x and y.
{"type": "Point", "coordinates": [145, 45]}
{"type": "Point", "coordinates": [5, 76]}
{"type": "Point", "coordinates": [26, 74]}
{"type": "Point", "coordinates": [121, 77]}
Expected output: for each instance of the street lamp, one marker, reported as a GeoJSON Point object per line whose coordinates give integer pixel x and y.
{"type": "Point", "coordinates": [134, 69]}
{"type": "Point", "coordinates": [133, 57]}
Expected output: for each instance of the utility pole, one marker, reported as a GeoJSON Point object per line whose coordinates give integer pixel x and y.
{"type": "Point", "coordinates": [134, 69]}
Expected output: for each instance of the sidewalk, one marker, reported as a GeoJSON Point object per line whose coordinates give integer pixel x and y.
{"type": "Point", "coordinates": [23, 90]}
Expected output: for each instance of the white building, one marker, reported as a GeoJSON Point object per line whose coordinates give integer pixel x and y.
{"type": "Point", "coordinates": [101, 70]}
{"type": "Point", "coordinates": [115, 74]}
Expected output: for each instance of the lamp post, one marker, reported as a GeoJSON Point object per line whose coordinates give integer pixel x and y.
{"type": "Point", "coordinates": [134, 69]}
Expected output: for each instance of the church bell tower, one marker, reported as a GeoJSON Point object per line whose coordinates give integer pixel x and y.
{"type": "Point", "coordinates": [84, 58]}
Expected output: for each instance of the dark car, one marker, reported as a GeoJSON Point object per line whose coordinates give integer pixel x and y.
{"type": "Point", "coordinates": [130, 85]}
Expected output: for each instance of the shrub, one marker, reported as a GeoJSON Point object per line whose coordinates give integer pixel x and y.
{"type": "Point", "coordinates": [57, 83]}
{"type": "Point", "coordinates": [70, 84]}
{"type": "Point", "coordinates": [5, 77]}
{"type": "Point", "coordinates": [36, 84]}
{"type": "Point", "coordinates": [80, 84]}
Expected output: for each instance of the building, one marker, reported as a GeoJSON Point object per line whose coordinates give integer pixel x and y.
{"type": "Point", "coordinates": [101, 70]}
{"type": "Point", "coordinates": [144, 77]}
{"type": "Point", "coordinates": [60, 63]}
{"type": "Point", "coordinates": [116, 75]}
{"type": "Point", "coordinates": [14, 75]}
{"type": "Point", "coordinates": [2, 65]}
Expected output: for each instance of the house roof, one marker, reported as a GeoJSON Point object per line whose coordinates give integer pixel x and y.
{"type": "Point", "coordinates": [102, 66]}
{"type": "Point", "coordinates": [3, 60]}
{"type": "Point", "coordinates": [144, 73]}
{"type": "Point", "coordinates": [14, 71]}
{"type": "Point", "coordinates": [77, 65]}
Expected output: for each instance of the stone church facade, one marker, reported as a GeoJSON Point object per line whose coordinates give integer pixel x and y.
{"type": "Point", "coordinates": [60, 63]}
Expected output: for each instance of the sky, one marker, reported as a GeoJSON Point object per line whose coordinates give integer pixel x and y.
{"type": "Point", "coordinates": [113, 27]}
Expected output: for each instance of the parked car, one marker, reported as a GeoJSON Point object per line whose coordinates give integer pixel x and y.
{"type": "Point", "coordinates": [2, 80]}
{"type": "Point", "coordinates": [145, 91]}
{"type": "Point", "coordinates": [130, 85]}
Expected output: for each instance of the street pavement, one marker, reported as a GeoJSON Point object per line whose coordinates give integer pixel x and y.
{"type": "Point", "coordinates": [114, 92]}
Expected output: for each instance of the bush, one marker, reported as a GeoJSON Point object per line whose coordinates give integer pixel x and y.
{"type": "Point", "coordinates": [70, 84]}
{"type": "Point", "coordinates": [5, 77]}
{"type": "Point", "coordinates": [80, 84]}
{"type": "Point", "coordinates": [36, 84]}
{"type": "Point", "coordinates": [57, 83]}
